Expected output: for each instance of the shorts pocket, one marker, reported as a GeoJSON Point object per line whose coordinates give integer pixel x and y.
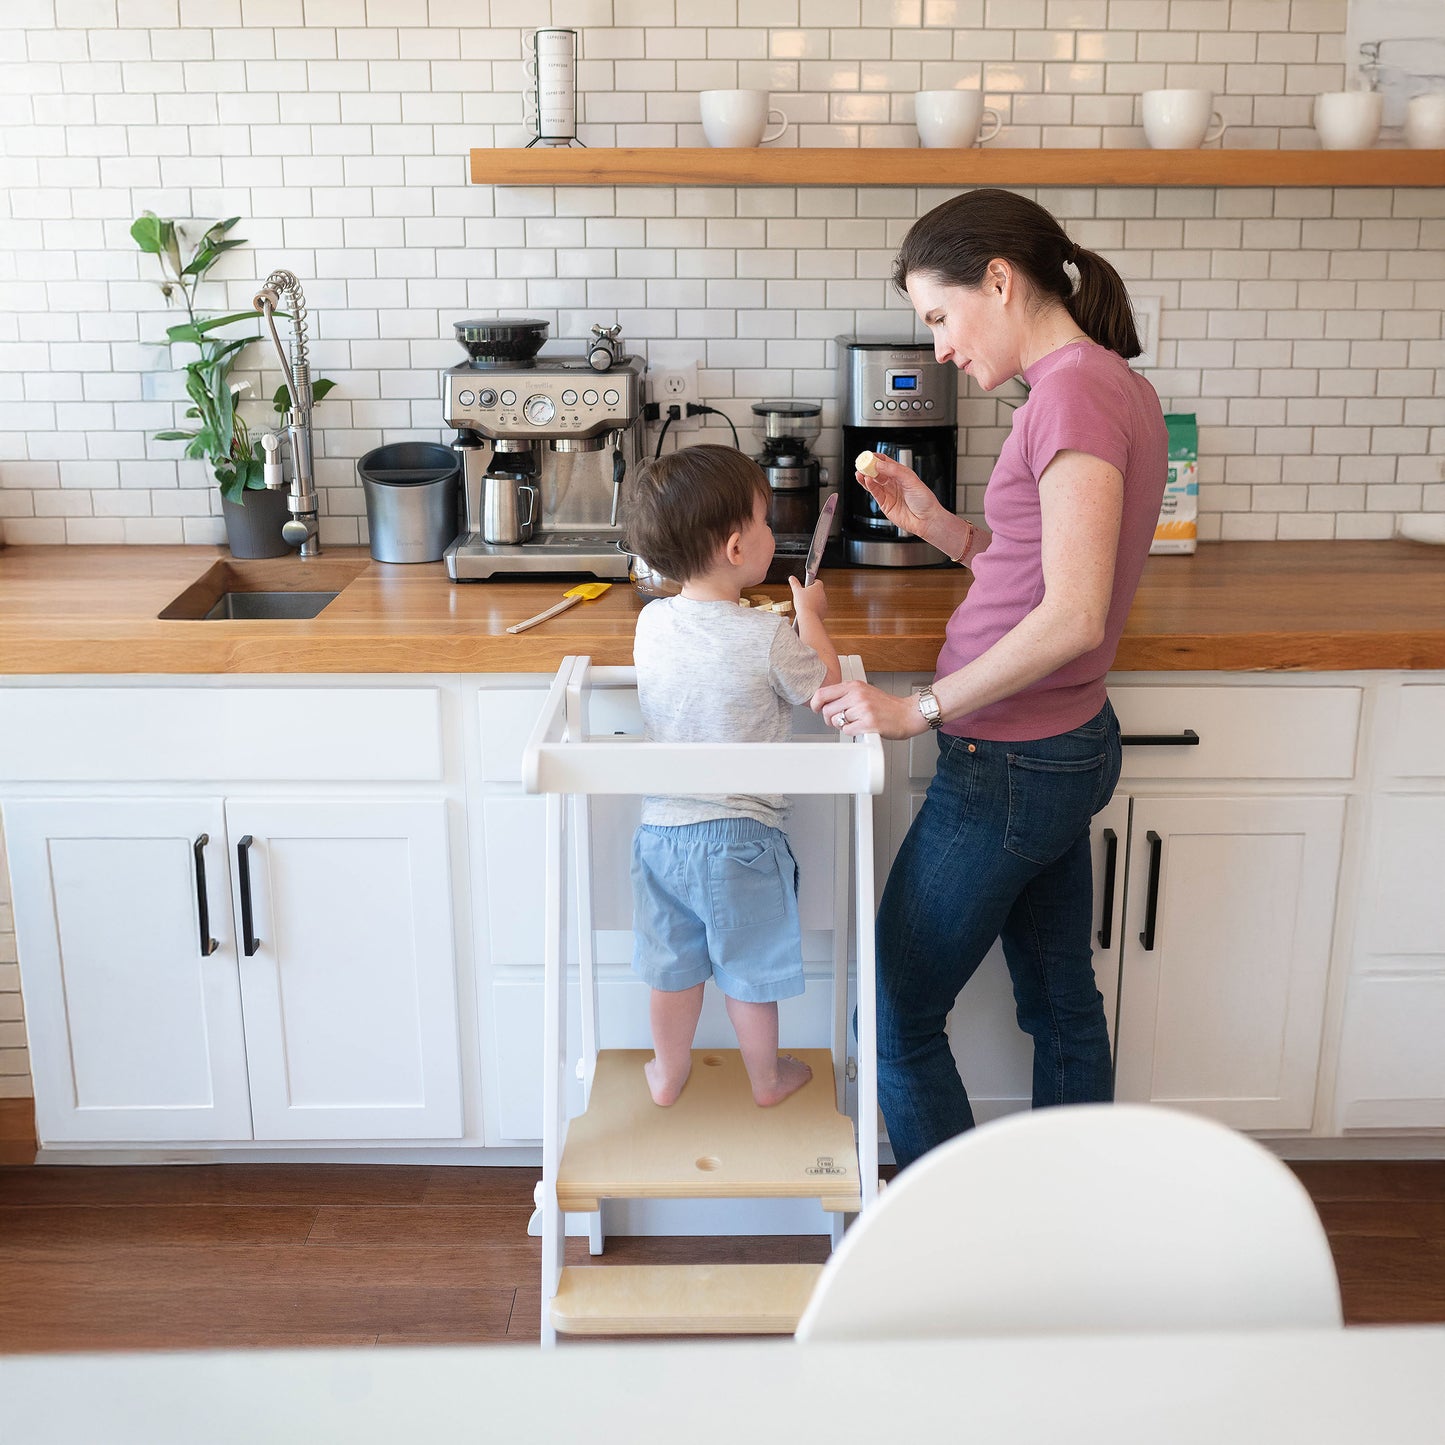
{"type": "Point", "coordinates": [746, 887]}
{"type": "Point", "coordinates": [1050, 802]}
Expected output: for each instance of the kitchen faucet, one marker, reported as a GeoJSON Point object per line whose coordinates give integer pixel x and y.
{"type": "Point", "coordinates": [303, 528]}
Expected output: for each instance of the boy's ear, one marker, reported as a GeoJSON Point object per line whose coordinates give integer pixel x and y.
{"type": "Point", "coordinates": [734, 548]}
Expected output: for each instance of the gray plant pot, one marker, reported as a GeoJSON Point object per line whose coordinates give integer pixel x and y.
{"type": "Point", "coordinates": [254, 530]}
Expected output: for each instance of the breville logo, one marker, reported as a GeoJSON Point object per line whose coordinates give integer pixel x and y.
{"type": "Point", "coordinates": [825, 1165]}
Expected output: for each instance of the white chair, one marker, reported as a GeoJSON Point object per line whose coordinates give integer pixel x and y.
{"type": "Point", "coordinates": [1087, 1219]}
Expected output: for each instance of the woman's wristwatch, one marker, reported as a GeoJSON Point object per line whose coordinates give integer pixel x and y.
{"type": "Point", "coordinates": [928, 706]}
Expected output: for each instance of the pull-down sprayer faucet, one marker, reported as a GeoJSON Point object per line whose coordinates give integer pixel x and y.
{"type": "Point", "coordinates": [303, 528]}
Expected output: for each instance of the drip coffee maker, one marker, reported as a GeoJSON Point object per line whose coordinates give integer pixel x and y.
{"type": "Point", "coordinates": [795, 478]}
{"type": "Point", "coordinates": [895, 400]}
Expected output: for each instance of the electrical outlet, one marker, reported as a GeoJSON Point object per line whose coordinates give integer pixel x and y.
{"type": "Point", "coordinates": [1146, 323]}
{"type": "Point", "coordinates": [676, 385]}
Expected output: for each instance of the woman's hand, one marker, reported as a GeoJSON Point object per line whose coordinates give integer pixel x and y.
{"type": "Point", "coordinates": [905, 501]}
{"type": "Point", "coordinates": [858, 707]}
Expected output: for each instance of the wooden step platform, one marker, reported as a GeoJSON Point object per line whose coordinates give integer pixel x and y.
{"type": "Point", "coordinates": [683, 1299]}
{"type": "Point", "coordinates": [714, 1143]}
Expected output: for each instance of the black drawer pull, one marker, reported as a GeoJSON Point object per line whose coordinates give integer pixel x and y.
{"type": "Point", "coordinates": [1187, 739]}
{"type": "Point", "coordinates": [249, 941]}
{"type": "Point", "coordinates": [1151, 911]}
{"type": "Point", "coordinates": [1111, 858]}
{"type": "Point", "coordinates": [203, 905]}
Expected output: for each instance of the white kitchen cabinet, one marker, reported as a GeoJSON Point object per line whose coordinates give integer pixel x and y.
{"type": "Point", "coordinates": [331, 1016]}
{"type": "Point", "coordinates": [1227, 926]}
{"type": "Point", "coordinates": [1391, 1072]}
{"type": "Point", "coordinates": [132, 1000]}
{"type": "Point", "coordinates": [348, 983]}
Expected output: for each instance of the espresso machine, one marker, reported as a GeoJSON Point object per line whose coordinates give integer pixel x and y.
{"type": "Point", "coordinates": [545, 443]}
{"type": "Point", "coordinates": [896, 400]}
{"type": "Point", "coordinates": [795, 478]}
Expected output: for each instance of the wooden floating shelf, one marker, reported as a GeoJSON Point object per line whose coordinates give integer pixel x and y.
{"type": "Point", "coordinates": [702, 166]}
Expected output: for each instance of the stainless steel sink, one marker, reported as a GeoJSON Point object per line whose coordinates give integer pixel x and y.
{"type": "Point", "coordinates": [233, 606]}
{"type": "Point", "coordinates": [265, 589]}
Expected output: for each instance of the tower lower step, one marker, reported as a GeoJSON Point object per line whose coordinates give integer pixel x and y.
{"type": "Point", "coordinates": [683, 1299]}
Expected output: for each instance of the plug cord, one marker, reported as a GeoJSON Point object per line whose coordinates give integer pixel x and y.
{"type": "Point", "coordinates": [696, 408]}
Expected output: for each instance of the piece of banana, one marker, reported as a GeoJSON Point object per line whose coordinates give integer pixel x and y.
{"type": "Point", "coordinates": [866, 463]}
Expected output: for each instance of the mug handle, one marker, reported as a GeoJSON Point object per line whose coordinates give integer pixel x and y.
{"type": "Point", "coordinates": [1212, 135]}
{"type": "Point", "coordinates": [988, 110]}
{"type": "Point", "coordinates": [782, 124]}
{"type": "Point", "coordinates": [531, 492]}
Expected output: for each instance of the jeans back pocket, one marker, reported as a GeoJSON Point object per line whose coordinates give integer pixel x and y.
{"type": "Point", "coordinates": [1050, 802]}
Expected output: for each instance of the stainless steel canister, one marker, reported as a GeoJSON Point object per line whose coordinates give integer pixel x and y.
{"type": "Point", "coordinates": [412, 490]}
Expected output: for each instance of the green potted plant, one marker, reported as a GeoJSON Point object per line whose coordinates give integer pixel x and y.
{"type": "Point", "coordinates": [254, 515]}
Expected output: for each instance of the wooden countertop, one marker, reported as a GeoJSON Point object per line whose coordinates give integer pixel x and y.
{"type": "Point", "coordinates": [1233, 606]}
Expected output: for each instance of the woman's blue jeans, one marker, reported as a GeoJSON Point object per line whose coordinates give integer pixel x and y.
{"type": "Point", "coordinates": [1000, 849]}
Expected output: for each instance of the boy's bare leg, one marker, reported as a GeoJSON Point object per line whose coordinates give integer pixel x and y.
{"type": "Point", "coordinates": [674, 1022]}
{"type": "Point", "coordinates": [773, 1075]}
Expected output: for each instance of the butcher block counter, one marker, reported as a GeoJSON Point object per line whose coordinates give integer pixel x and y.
{"type": "Point", "coordinates": [1233, 606]}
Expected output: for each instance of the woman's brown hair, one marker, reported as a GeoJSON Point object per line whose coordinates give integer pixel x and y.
{"type": "Point", "coordinates": [683, 507]}
{"type": "Point", "coordinates": [956, 241]}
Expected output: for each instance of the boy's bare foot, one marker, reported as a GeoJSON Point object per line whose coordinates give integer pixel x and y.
{"type": "Point", "coordinates": [664, 1091]}
{"type": "Point", "coordinates": [791, 1075]}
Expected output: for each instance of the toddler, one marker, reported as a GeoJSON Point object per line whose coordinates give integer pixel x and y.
{"type": "Point", "coordinates": [714, 884]}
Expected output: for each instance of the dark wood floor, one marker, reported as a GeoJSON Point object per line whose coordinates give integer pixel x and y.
{"type": "Point", "coordinates": [240, 1255]}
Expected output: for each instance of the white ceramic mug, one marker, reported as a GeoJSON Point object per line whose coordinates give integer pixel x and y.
{"type": "Point", "coordinates": [1181, 120]}
{"type": "Point", "coordinates": [739, 117]}
{"type": "Point", "coordinates": [1425, 121]}
{"type": "Point", "coordinates": [1349, 120]}
{"type": "Point", "coordinates": [950, 118]}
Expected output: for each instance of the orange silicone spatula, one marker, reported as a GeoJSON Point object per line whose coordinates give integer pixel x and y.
{"type": "Point", "coordinates": [586, 591]}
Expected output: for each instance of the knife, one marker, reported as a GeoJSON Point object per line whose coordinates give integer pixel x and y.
{"type": "Point", "coordinates": [820, 540]}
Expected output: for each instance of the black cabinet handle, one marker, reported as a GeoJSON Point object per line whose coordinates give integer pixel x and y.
{"type": "Point", "coordinates": [203, 906]}
{"type": "Point", "coordinates": [1151, 911]}
{"type": "Point", "coordinates": [1186, 739]}
{"type": "Point", "coordinates": [1111, 859]}
{"type": "Point", "coordinates": [249, 941]}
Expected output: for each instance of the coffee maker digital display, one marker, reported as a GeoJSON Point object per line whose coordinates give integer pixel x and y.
{"type": "Point", "coordinates": [896, 400]}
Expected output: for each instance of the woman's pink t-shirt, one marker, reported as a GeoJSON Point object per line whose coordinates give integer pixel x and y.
{"type": "Point", "coordinates": [1082, 398]}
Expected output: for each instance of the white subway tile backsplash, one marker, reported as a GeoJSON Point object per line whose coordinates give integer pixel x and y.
{"type": "Point", "coordinates": [1302, 326]}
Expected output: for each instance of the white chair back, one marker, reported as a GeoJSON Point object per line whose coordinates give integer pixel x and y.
{"type": "Point", "coordinates": [1088, 1219]}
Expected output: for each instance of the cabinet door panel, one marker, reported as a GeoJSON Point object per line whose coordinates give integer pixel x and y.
{"type": "Point", "coordinates": [350, 999]}
{"type": "Point", "coordinates": [135, 1033]}
{"type": "Point", "coordinates": [1224, 1014]}
{"type": "Point", "coordinates": [1404, 912]}
{"type": "Point", "coordinates": [1392, 1065]}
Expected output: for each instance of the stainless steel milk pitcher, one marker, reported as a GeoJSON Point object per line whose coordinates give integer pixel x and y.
{"type": "Point", "coordinates": [509, 508]}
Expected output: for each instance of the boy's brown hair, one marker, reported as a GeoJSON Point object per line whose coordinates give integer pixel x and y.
{"type": "Point", "coordinates": [683, 507]}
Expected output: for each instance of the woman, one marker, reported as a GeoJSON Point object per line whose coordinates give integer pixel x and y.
{"type": "Point", "coordinates": [1028, 744]}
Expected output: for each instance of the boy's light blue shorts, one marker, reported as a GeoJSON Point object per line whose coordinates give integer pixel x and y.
{"type": "Point", "coordinates": [717, 900]}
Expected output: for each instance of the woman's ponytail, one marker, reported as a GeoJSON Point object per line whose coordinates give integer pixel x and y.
{"type": "Point", "coordinates": [956, 241]}
{"type": "Point", "coordinates": [1100, 304]}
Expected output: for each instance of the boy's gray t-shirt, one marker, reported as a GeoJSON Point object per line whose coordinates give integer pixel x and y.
{"type": "Point", "coordinates": [714, 672]}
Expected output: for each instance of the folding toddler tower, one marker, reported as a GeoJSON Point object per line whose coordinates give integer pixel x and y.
{"type": "Point", "coordinates": [714, 1143]}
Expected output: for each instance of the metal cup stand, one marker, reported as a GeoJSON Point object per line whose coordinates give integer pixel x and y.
{"type": "Point", "coordinates": [553, 72]}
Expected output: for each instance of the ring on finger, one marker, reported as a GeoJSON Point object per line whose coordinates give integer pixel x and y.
{"type": "Point", "coordinates": [842, 719]}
